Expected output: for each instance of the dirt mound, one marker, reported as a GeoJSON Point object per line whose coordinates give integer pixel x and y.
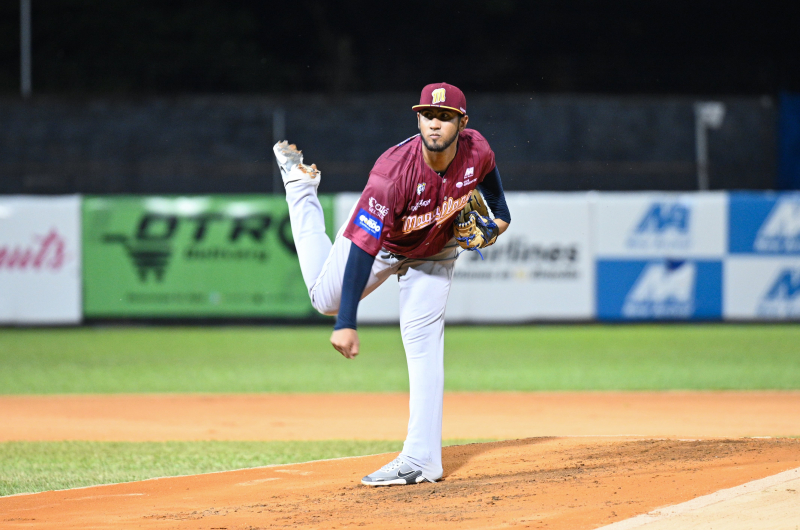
{"type": "Point", "coordinates": [554, 483]}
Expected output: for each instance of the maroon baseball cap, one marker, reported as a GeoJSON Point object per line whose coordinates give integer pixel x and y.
{"type": "Point", "coordinates": [443, 96]}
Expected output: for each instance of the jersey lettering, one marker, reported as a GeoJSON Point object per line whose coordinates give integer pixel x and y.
{"type": "Point", "coordinates": [441, 215]}
{"type": "Point", "coordinates": [406, 208]}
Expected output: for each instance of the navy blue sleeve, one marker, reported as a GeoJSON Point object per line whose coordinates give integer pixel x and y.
{"type": "Point", "coordinates": [492, 190]}
{"type": "Point", "coordinates": [356, 274]}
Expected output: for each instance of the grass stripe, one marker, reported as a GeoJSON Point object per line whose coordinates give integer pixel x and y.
{"type": "Point", "coordinates": [300, 359]}
{"type": "Point", "coordinates": [27, 467]}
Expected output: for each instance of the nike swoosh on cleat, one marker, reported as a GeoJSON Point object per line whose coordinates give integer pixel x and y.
{"type": "Point", "coordinates": [406, 475]}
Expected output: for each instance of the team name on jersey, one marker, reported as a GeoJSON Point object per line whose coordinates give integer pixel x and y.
{"type": "Point", "coordinates": [449, 207]}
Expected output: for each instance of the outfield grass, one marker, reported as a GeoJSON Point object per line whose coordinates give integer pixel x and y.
{"type": "Point", "coordinates": [300, 359]}
{"type": "Point", "coordinates": [27, 467]}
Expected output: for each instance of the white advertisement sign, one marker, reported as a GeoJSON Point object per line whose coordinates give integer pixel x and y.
{"type": "Point", "coordinates": [642, 225]}
{"type": "Point", "coordinates": [542, 268]}
{"type": "Point", "coordinates": [761, 288]}
{"type": "Point", "coordinates": [40, 260]}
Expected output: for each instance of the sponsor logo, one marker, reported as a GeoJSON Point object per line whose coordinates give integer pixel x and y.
{"type": "Point", "coordinates": [150, 249]}
{"type": "Point", "coordinates": [782, 299]}
{"type": "Point", "coordinates": [522, 260]}
{"type": "Point", "coordinates": [420, 188]}
{"type": "Point", "coordinates": [663, 217]}
{"type": "Point", "coordinates": [664, 226]}
{"type": "Point", "coordinates": [419, 203]}
{"type": "Point", "coordinates": [371, 225]}
{"type": "Point", "coordinates": [443, 214]}
{"type": "Point", "coordinates": [377, 208]}
{"type": "Point", "coordinates": [438, 96]}
{"type": "Point", "coordinates": [781, 230]}
{"type": "Point", "coordinates": [47, 252]}
{"type": "Point", "coordinates": [470, 172]}
{"type": "Point", "coordinates": [663, 290]}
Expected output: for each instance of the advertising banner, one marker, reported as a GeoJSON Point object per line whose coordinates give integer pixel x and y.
{"type": "Point", "coordinates": [40, 260]}
{"type": "Point", "coordinates": [643, 225]}
{"type": "Point", "coordinates": [762, 288]}
{"type": "Point", "coordinates": [765, 223]}
{"type": "Point", "coordinates": [211, 256]}
{"type": "Point", "coordinates": [660, 289]}
{"type": "Point", "coordinates": [542, 268]}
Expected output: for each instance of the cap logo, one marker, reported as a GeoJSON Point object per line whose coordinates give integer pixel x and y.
{"type": "Point", "coordinates": [437, 96]}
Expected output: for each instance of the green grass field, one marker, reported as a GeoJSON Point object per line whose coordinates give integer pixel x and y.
{"type": "Point", "coordinates": [299, 359]}
{"type": "Point", "coordinates": [44, 466]}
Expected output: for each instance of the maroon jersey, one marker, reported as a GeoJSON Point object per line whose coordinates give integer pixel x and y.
{"type": "Point", "coordinates": [407, 208]}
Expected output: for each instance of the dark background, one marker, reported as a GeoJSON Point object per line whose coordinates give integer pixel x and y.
{"type": "Point", "coordinates": [247, 46]}
{"type": "Point", "coordinates": [178, 97]}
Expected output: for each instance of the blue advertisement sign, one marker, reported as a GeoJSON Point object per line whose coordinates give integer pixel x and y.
{"type": "Point", "coordinates": [764, 223]}
{"type": "Point", "coordinates": [782, 299]}
{"type": "Point", "coordinates": [660, 289]}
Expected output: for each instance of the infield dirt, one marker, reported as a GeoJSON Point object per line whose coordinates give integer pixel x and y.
{"type": "Point", "coordinates": [159, 417]}
{"type": "Point", "coordinates": [555, 482]}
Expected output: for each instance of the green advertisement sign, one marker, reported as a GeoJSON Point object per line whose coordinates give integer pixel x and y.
{"type": "Point", "coordinates": [209, 256]}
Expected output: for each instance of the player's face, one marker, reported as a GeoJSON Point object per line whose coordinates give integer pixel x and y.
{"type": "Point", "coordinates": [439, 128]}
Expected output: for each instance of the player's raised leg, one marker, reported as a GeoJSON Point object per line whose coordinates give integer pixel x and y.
{"type": "Point", "coordinates": [305, 211]}
{"type": "Point", "coordinates": [322, 263]}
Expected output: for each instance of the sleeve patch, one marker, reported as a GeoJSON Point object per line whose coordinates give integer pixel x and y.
{"type": "Point", "coordinates": [370, 224]}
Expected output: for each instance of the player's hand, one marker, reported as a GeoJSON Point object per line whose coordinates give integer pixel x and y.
{"type": "Point", "coordinates": [346, 342]}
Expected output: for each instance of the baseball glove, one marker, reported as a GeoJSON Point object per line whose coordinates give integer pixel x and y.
{"type": "Point", "coordinates": [473, 227]}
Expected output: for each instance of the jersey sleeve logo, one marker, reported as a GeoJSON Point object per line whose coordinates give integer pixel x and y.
{"type": "Point", "coordinates": [370, 224]}
{"type": "Point", "coordinates": [377, 208]}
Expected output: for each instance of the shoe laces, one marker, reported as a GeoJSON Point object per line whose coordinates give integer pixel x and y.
{"type": "Point", "coordinates": [394, 464]}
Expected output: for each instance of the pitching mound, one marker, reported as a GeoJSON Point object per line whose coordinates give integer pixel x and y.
{"type": "Point", "coordinates": [554, 483]}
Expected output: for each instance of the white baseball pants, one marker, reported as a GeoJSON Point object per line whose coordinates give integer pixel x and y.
{"type": "Point", "coordinates": [424, 287]}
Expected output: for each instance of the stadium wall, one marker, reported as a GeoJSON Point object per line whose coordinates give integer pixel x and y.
{"type": "Point", "coordinates": [206, 145]}
{"type": "Point", "coordinates": [574, 256]}
{"type": "Point", "coordinates": [789, 143]}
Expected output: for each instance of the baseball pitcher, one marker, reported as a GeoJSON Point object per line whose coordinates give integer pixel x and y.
{"type": "Point", "coordinates": [419, 209]}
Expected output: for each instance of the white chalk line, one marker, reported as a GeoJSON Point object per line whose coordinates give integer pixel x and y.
{"type": "Point", "coordinates": [704, 501]}
{"type": "Point", "coordinates": [282, 465]}
{"type": "Point", "coordinates": [552, 437]}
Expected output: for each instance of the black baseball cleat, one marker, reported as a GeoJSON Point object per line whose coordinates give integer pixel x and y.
{"type": "Point", "coordinates": [395, 473]}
